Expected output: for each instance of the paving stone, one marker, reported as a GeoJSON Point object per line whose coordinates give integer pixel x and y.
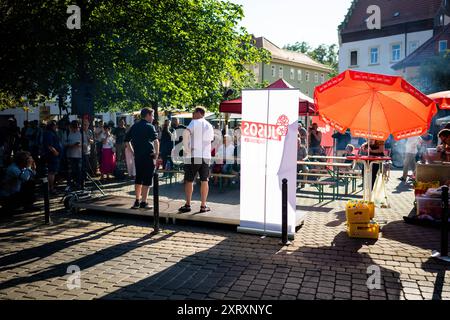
{"type": "Point", "coordinates": [197, 262]}
{"type": "Point", "coordinates": [305, 296]}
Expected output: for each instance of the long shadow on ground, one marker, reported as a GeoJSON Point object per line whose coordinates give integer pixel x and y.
{"type": "Point", "coordinates": [248, 267]}
{"type": "Point", "coordinates": [60, 270]}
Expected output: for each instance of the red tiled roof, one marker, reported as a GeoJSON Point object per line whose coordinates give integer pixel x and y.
{"type": "Point", "coordinates": [409, 10]}
{"type": "Point", "coordinates": [425, 51]}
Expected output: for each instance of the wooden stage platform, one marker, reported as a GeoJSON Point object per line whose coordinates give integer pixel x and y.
{"type": "Point", "coordinates": [168, 209]}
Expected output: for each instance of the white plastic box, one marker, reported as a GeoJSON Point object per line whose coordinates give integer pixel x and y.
{"type": "Point", "coordinates": [430, 206]}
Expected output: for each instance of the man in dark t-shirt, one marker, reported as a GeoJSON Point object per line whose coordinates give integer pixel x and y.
{"type": "Point", "coordinates": [342, 140]}
{"type": "Point", "coordinates": [143, 141]}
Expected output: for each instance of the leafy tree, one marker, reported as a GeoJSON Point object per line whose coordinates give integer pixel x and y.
{"type": "Point", "coordinates": [302, 47]}
{"type": "Point", "coordinates": [434, 74]}
{"type": "Point", "coordinates": [325, 54]}
{"type": "Point", "coordinates": [136, 52]}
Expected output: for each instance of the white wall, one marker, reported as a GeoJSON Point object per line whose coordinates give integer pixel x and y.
{"type": "Point", "coordinates": [384, 51]}
{"type": "Point", "coordinates": [33, 114]}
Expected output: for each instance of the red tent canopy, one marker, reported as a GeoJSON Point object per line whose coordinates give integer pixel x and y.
{"type": "Point", "coordinates": [305, 105]}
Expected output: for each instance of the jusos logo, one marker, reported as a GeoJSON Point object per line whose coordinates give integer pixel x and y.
{"type": "Point", "coordinates": [266, 131]}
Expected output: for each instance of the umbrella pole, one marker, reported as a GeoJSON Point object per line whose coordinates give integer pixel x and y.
{"type": "Point", "coordinates": [307, 132]}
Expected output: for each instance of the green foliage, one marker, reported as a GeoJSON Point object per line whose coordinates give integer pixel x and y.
{"type": "Point", "coordinates": [434, 74]}
{"type": "Point", "coordinates": [302, 47]}
{"type": "Point", "coordinates": [325, 54]}
{"type": "Point", "coordinates": [170, 53]}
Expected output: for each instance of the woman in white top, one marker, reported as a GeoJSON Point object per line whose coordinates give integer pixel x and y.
{"type": "Point", "coordinates": [108, 163]}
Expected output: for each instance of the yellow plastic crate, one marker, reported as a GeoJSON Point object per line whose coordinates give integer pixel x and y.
{"type": "Point", "coordinates": [359, 211]}
{"type": "Point", "coordinates": [363, 230]}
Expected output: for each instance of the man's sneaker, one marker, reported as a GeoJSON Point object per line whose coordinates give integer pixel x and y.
{"type": "Point", "coordinates": [185, 209]}
{"type": "Point", "coordinates": [135, 205]}
{"type": "Point", "coordinates": [145, 205]}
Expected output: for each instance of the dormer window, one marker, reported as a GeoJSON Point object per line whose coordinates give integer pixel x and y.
{"type": "Point", "coordinates": [396, 14]}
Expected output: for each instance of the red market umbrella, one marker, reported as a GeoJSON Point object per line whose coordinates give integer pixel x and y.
{"type": "Point", "coordinates": [442, 98]}
{"type": "Point", "coordinates": [305, 106]}
{"type": "Point", "coordinates": [374, 106]}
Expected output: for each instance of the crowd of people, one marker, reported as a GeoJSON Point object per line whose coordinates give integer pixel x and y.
{"type": "Point", "coordinates": [72, 150]}
{"type": "Point", "coordinates": [68, 151]}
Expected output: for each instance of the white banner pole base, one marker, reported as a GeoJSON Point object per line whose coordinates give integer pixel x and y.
{"type": "Point", "coordinates": [274, 234]}
{"type": "Point", "coordinates": [437, 255]}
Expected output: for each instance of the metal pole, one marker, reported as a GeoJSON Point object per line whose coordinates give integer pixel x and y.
{"type": "Point", "coordinates": [46, 197]}
{"type": "Point", "coordinates": [156, 202]}
{"type": "Point", "coordinates": [83, 167]}
{"type": "Point", "coordinates": [284, 213]}
{"type": "Point", "coordinates": [444, 226]}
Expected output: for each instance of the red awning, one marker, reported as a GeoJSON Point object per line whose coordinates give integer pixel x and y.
{"type": "Point", "coordinates": [305, 107]}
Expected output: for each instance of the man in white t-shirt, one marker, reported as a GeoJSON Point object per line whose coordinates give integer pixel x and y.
{"type": "Point", "coordinates": [409, 163]}
{"type": "Point", "coordinates": [197, 140]}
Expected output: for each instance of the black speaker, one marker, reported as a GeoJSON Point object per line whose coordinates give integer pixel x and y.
{"type": "Point", "coordinates": [82, 99]}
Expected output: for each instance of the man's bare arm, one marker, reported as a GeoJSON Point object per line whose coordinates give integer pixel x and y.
{"type": "Point", "coordinates": [186, 141]}
{"type": "Point", "coordinates": [156, 145]}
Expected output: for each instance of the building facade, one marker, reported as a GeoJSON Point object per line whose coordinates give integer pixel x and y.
{"type": "Point", "coordinates": [298, 69]}
{"type": "Point", "coordinates": [409, 68]}
{"type": "Point", "coordinates": [405, 26]}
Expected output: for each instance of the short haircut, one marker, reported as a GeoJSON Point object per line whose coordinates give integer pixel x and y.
{"type": "Point", "coordinates": [21, 158]}
{"type": "Point", "coordinates": [51, 125]}
{"type": "Point", "coordinates": [74, 124]}
{"type": "Point", "coordinates": [350, 146]}
{"type": "Point", "coordinates": [146, 111]}
{"type": "Point", "coordinates": [444, 133]}
{"type": "Point", "coordinates": [200, 110]}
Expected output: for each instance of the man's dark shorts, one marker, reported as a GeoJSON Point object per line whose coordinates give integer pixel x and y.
{"type": "Point", "coordinates": [200, 166]}
{"type": "Point", "coordinates": [53, 165]}
{"type": "Point", "coordinates": [145, 169]}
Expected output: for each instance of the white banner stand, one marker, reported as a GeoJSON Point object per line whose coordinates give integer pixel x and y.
{"type": "Point", "coordinates": [268, 155]}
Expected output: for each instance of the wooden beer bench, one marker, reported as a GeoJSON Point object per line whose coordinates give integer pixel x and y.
{"type": "Point", "coordinates": [223, 176]}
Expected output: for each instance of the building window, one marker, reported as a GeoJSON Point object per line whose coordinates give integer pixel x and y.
{"type": "Point", "coordinates": [374, 56]}
{"type": "Point", "coordinates": [396, 52]}
{"type": "Point", "coordinates": [307, 76]}
{"type": "Point", "coordinates": [273, 71]}
{"type": "Point", "coordinates": [316, 77]}
{"type": "Point", "coordinates": [280, 72]}
{"type": "Point", "coordinates": [299, 75]}
{"type": "Point", "coordinates": [322, 78]}
{"type": "Point", "coordinates": [413, 45]}
{"type": "Point", "coordinates": [292, 74]}
{"type": "Point", "coordinates": [442, 46]}
{"type": "Point", "coordinates": [353, 58]}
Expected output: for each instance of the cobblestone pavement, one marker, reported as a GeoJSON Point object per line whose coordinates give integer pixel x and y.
{"type": "Point", "coordinates": [119, 258]}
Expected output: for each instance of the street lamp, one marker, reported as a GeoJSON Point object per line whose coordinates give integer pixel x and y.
{"type": "Point", "coordinates": [226, 84]}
